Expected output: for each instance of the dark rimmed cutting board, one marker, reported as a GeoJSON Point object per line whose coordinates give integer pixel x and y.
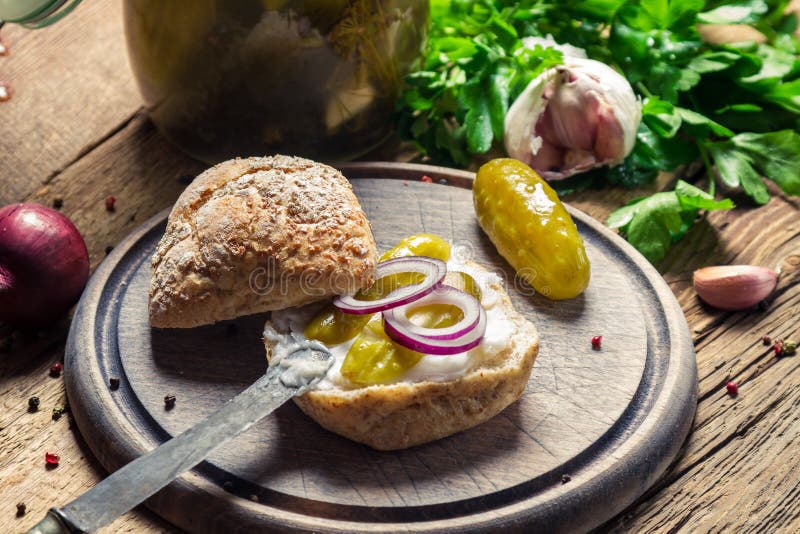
{"type": "Point", "coordinates": [593, 430]}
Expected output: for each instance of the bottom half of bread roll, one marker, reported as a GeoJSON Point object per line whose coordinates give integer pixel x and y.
{"type": "Point", "coordinates": [407, 413]}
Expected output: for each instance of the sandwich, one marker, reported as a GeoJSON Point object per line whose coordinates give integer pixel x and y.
{"type": "Point", "coordinates": [424, 346]}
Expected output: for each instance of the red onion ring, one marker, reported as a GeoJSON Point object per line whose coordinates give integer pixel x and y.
{"type": "Point", "coordinates": [420, 339]}
{"type": "Point", "coordinates": [444, 294]}
{"type": "Point", "coordinates": [433, 269]}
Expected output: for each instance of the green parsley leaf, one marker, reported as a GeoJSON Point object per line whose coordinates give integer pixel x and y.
{"type": "Point", "coordinates": [652, 224]}
{"type": "Point", "coordinates": [736, 169]}
{"type": "Point", "coordinates": [777, 156]}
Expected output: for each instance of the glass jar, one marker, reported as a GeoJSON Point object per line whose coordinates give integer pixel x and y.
{"type": "Point", "coordinates": [35, 13]}
{"type": "Point", "coordinates": [316, 78]}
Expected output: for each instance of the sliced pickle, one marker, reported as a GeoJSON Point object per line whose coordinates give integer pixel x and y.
{"type": "Point", "coordinates": [429, 245]}
{"type": "Point", "coordinates": [332, 326]}
{"type": "Point", "coordinates": [436, 315]}
{"type": "Point", "coordinates": [464, 282]}
{"type": "Point", "coordinates": [376, 359]}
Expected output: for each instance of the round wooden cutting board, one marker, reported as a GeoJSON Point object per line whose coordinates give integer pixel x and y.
{"type": "Point", "coordinates": [593, 430]}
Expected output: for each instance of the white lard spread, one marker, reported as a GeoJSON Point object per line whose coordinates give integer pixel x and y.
{"type": "Point", "coordinates": [499, 329]}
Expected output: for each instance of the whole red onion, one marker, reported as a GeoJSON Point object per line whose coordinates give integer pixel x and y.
{"type": "Point", "coordinates": [44, 264]}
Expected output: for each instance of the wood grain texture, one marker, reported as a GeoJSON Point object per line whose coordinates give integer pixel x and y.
{"type": "Point", "coordinates": [738, 469]}
{"type": "Point", "coordinates": [72, 88]}
{"type": "Point", "coordinates": [608, 419]}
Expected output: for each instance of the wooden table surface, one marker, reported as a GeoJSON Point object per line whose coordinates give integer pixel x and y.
{"type": "Point", "coordinates": [75, 129]}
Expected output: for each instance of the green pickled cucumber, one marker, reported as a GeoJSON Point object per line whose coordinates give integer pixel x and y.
{"type": "Point", "coordinates": [374, 358]}
{"type": "Point", "coordinates": [531, 228]}
{"type": "Point", "coordinates": [429, 245]}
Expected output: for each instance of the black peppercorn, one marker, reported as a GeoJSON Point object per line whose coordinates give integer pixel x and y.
{"type": "Point", "coordinates": [33, 404]}
{"type": "Point", "coordinates": [113, 383]}
{"type": "Point", "coordinates": [21, 509]}
{"type": "Point", "coordinates": [169, 402]}
{"type": "Point", "coordinates": [565, 479]}
{"type": "Point", "coordinates": [58, 203]}
{"type": "Point", "coordinates": [109, 248]}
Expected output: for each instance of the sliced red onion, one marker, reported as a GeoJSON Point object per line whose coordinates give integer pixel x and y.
{"type": "Point", "coordinates": [444, 294]}
{"type": "Point", "coordinates": [439, 341]}
{"type": "Point", "coordinates": [433, 269]}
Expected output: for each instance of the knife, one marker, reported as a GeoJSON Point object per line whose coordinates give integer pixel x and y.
{"type": "Point", "coordinates": [297, 371]}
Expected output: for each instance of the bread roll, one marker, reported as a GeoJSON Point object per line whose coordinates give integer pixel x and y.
{"type": "Point", "coordinates": [258, 234]}
{"type": "Point", "coordinates": [404, 414]}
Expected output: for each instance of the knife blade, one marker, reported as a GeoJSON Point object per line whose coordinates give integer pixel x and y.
{"type": "Point", "coordinates": [295, 373]}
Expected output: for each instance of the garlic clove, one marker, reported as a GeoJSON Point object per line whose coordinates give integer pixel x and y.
{"type": "Point", "coordinates": [734, 287]}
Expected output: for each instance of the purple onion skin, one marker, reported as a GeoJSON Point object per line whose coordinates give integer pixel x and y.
{"type": "Point", "coordinates": [44, 264]}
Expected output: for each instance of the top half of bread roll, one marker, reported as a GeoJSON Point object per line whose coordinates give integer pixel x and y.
{"type": "Point", "coordinates": [259, 234]}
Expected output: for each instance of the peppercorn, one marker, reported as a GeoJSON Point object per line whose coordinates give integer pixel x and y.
{"type": "Point", "coordinates": [58, 411]}
{"type": "Point", "coordinates": [113, 383]}
{"type": "Point", "coordinates": [778, 347]}
{"type": "Point", "coordinates": [789, 348]}
{"type": "Point", "coordinates": [21, 509]}
{"type": "Point", "coordinates": [169, 402]}
{"type": "Point", "coordinates": [109, 248]}
{"type": "Point", "coordinates": [55, 370]}
{"type": "Point", "coordinates": [51, 459]}
{"type": "Point", "coordinates": [733, 388]}
{"type": "Point", "coordinates": [33, 404]}
{"type": "Point", "coordinates": [110, 202]}
{"type": "Point", "coordinates": [427, 179]}
{"type": "Point", "coordinates": [565, 479]}
{"type": "Point", "coordinates": [597, 342]}
{"type": "Point", "coordinates": [58, 203]}
{"type": "Point", "coordinates": [766, 340]}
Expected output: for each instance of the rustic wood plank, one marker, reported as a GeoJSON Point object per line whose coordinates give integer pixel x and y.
{"type": "Point", "coordinates": [72, 86]}
{"type": "Point", "coordinates": [146, 175]}
{"type": "Point", "coordinates": [739, 469]}
{"type": "Point", "coordinates": [739, 460]}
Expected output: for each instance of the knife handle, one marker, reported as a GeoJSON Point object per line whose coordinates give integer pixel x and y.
{"type": "Point", "coordinates": [54, 523]}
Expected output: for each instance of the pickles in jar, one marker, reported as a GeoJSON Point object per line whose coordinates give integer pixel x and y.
{"type": "Point", "coordinates": [531, 228]}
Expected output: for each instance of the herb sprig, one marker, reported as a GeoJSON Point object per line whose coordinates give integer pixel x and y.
{"type": "Point", "coordinates": [736, 107]}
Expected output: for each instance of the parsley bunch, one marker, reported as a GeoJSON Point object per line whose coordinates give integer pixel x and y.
{"type": "Point", "coordinates": [735, 107]}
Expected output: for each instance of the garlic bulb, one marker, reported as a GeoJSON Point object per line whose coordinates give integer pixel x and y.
{"type": "Point", "coordinates": [572, 118]}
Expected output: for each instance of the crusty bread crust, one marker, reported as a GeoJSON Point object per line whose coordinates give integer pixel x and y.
{"type": "Point", "coordinates": [396, 416]}
{"type": "Point", "coordinates": [259, 234]}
